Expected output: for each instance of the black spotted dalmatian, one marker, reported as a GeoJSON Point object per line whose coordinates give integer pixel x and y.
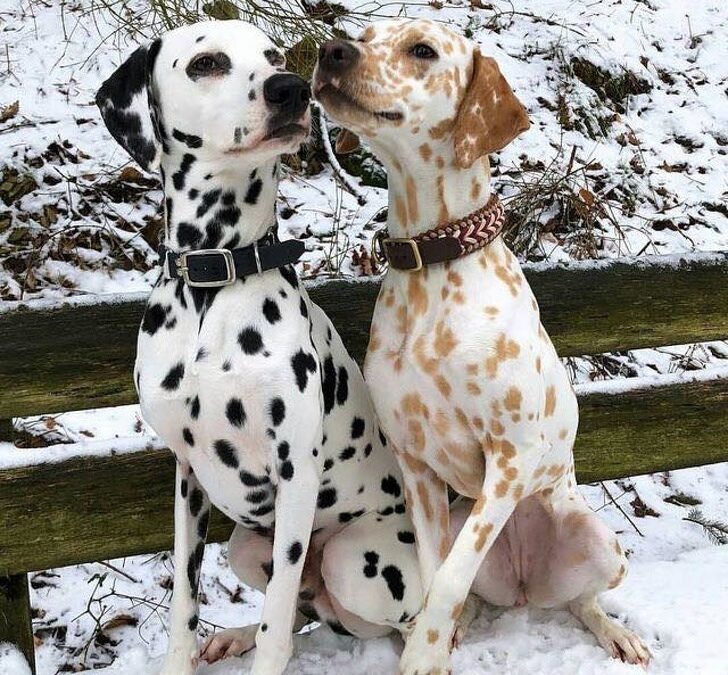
{"type": "Point", "coordinates": [247, 380]}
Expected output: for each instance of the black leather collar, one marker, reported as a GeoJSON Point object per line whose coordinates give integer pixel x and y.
{"type": "Point", "coordinates": [214, 267]}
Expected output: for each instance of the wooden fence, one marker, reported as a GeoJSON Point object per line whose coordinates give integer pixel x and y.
{"type": "Point", "coordinates": [78, 354]}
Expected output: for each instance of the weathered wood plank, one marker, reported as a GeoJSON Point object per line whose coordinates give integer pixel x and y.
{"type": "Point", "coordinates": [16, 624]}
{"type": "Point", "coordinates": [99, 508]}
{"type": "Point", "coordinates": [79, 356]}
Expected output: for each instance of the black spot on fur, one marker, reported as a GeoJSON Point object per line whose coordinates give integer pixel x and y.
{"type": "Point", "coordinates": [347, 453]}
{"type": "Point", "coordinates": [202, 524]}
{"type": "Point", "coordinates": [154, 317]}
{"type": "Point", "coordinates": [304, 309]}
{"type": "Point", "coordinates": [189, 140]}
{"type": "Point", "coordinates": [250, 480]}
{"type": "Point", "coordinates": [357, 427]}
{"type": "Point", "coordinates": [173, 378]}
{"type": "Point", "coordinates": [263, 627]}
{"type": "Point", "coordinates": [193, 194]}
{"type": "Point", "coordinates": [201, 354]}
{"type": "Point", "coordinates": [406, 537]}
{"type": "Point", "coordinates": [254, 189]}
{"type": "Point", "coordinates": [235, 412]}
{"type": "Point", "coordinates": [346, 516]}
{"type": "Point", "coordinates": [286, 470]}
{"type": "Point", "coordinates": [391, 486]}
{"type": "Point", "coordinates": [262, 510]}
{"type": "Point", "coordinates": [193, 567]}
{"type": "Point", "coordinates": [271, 311]}
{"type": "Point", "coordinates": [328, 463]}
{"type": "Point", "coordinates": [326, 498]}
{"type": "Point", "coordinates": [342, 391]}
{"type": "Point", "coordinates": [192, 623]}
{"type": "Point", "coordinates": [372, 561]}
{"type": "Point", "coordinates": [277, 411]}
{"type": "Point", "coordinates": [188, 235]}
{"type": "Point", "coordinates": [400, 508]}
{"type": "Point", "coordinates": [289, 274]}
{"type": "Point", "coordinates": [393, 576]}
{"type": "Point", "coordinates": [382, 438]}
{"type": "Point", "coordinates": [207, 202]}
{"type": "Point", "coordinates": [284, 451]}
{"type": "Point", "coordinates": [183, 487]}
{"type": "Point", "coordinates": [257, 496]}
{"type": "Point", "coordinates": [250, 341]}
{"type": "Point", "coordinates": [187, 435]}
{"type": "Point", "coordinates": [303, 363]}
{"type": "Point", "coordinates": [195, 408]}
{"type": "Point", "coordinates": [328, 384]}
{"type": "Point", "coordinates": [294, 552]}
{"type": "Point", "coordinates": [251, 95]}
{"type": "Point", "coordinates": [196, 499]}
{"type": "Point", "coordinates": [368, 450]}
{"type": "Point", "coordinates": [338, 628]}
{"type": "Point", "coordinates": [180, 176]}
{"type": "Point", "coordinates": [227, 453]}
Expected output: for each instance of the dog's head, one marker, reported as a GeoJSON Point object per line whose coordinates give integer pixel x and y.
{"type": "Point", "coordinates": [218, 89]}
{"type": "Point", "coordinates": [417, 81]}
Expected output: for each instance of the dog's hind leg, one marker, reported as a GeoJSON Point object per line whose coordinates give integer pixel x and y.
{"type": "Point", "coordinates": [583, 559]}
{"type": "Point", "coordinates": [372, 575]}
{"type": "Point", "coordinates": [191, 517]}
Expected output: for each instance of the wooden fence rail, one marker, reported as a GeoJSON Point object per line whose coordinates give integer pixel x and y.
{"type": "Point", "coordinates": [77, 354]}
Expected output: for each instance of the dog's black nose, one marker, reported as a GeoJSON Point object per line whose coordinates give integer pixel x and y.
{"type": "Point", "coordinates": [287, 93]}
{"type": "Point", "coordinates": [337, 56]}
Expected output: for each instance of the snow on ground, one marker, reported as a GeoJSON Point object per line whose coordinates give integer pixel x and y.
{"type": "Point", "coordinates": [675, 596]}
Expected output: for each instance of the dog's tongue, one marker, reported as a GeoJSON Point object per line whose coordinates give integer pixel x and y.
{"type": "Point", "coordinates": [346, 142]}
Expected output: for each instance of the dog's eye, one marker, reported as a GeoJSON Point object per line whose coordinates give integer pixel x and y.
{"type": "Point", "coordinates": [208, 64]}
{"type": "Point", "coordinates": [423, 51]}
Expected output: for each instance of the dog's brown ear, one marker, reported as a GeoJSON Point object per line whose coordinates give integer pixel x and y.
{"type": "Point", "coordinates": [346, 142]}
{"type": "Point", "coordinates": [490, 115]}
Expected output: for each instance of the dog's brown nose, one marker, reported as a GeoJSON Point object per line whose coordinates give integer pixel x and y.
{"type": "Point", "coordinates": [337, 56]}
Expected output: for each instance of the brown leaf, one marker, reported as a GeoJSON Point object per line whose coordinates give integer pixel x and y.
{"type": "Point", "coordinates": [346, 142]}
{"type": "Point", "coordinates": [587, 197]}
{"type": "Point", "coordinates": [9, 111]}
{"type": "Point", "coordinates": [120, 621]}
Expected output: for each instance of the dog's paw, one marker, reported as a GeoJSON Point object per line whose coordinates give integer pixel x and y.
{"type": "Point", "coordinates": [425, 657]}
{"type": "Point", "coordinates": [625, 645]}
{"type": "Point", "coordinates": [228, 643]}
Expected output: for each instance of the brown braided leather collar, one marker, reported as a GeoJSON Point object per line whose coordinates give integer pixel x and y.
{"type": "Point", "coordinates": [444, 242]}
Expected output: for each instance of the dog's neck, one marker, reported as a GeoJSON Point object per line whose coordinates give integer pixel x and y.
{"type": "Point", "coordinates": [426, 189]}
{"type": "Point", "coordinates": [211, 206]}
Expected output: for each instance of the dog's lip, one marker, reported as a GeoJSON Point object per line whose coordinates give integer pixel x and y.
{"type": "Point", "coordinates": [328, 88]}
{"type": "Point", "coordinates": [286, 130]}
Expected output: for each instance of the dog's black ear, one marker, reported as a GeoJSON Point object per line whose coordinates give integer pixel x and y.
{"type": "Point", "coordinates": [126, 102]}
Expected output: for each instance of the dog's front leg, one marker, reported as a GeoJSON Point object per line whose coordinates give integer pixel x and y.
{"type": "Point", "coordinates": [191, 517]}
{"type": "Point", "coordinates": [295, 510]}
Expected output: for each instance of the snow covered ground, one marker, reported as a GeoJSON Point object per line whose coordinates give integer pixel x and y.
{"type": "Point", "coordinates": [628, 97]}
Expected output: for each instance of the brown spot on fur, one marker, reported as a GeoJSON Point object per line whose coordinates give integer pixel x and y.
{"type": "Point", "coordinates": [425, 152]}
{"type": "Point", "coordinates": [432, 636]}
{"type": "Point", "coordinates": [443, 386]}
{"type": "Point", "coordinates": [512, 399]}
{"type": "Point", "coordinates": [413, 212]}
{"type": "Point", "coordinates": [482, 536]}
{"type": "Point", "coordinates": [401, 210]}
{"type": "Point", "coordinates": [445, 340]}
{"type": "Point", "coordinates": [417, 294]}
{"type": "Point", "coordinates": [501, 489]}
{"type": "Point", "coordinates": [473, 388]}
{"type": "Point", "coordinates": [424, 496]}
{"type": "Point", "coordinates": [504, 349]}
{"type": "Point", "coordinates": [518, 492]}
{"type": "Point", "coordinates": [550, 405]}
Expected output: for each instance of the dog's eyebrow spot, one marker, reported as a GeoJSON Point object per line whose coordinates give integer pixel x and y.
{"type": "Point", "coordinates": [174, 64]}
{"type": "Point", "coordinates": [274, 57]}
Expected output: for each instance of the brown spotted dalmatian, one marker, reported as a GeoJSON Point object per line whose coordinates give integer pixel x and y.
{"type": "Point", "coordinates": [247, 380]}
{"type": "Point", "coordinates": [465, 379]}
